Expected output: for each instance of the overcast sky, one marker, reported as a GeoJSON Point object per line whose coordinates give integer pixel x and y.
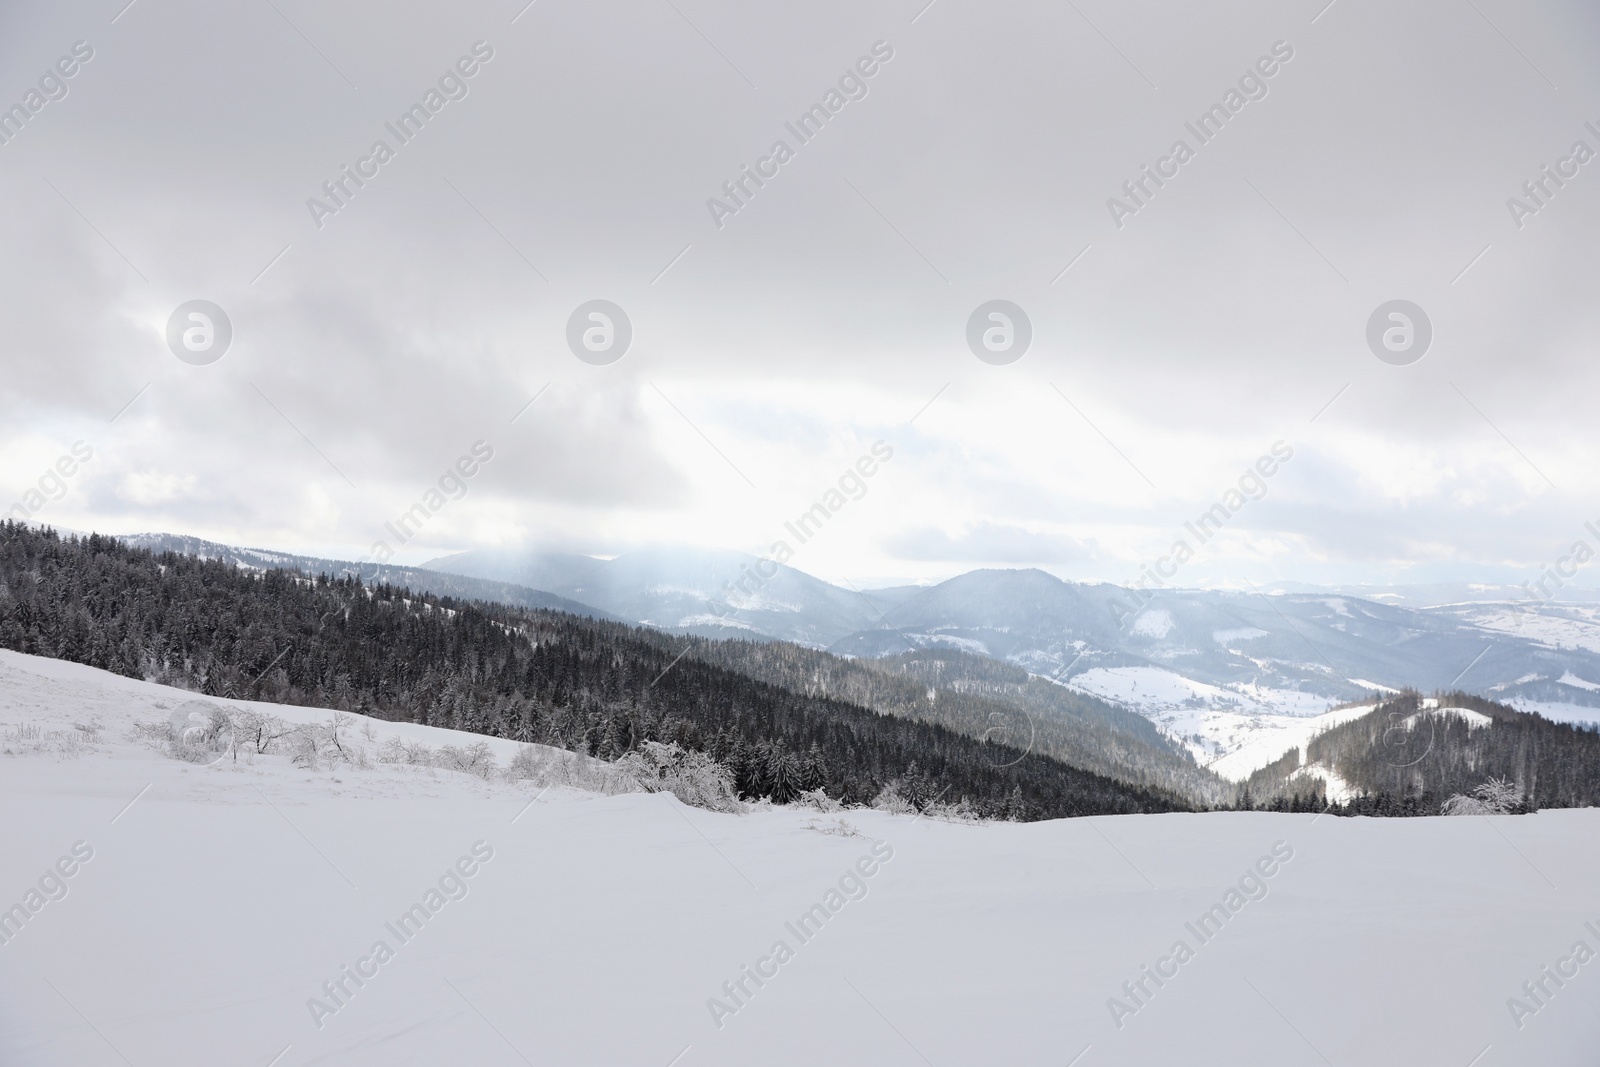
{"type": "Point", "coordinates": [1174, 341]}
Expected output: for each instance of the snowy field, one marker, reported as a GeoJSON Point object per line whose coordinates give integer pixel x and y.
{"type": "Point", "coordinates": [1233, 729]}
{"type": "Point", "coordinates": [209, 911]}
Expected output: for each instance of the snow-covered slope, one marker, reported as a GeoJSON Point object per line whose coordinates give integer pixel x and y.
{"type": "Point", "coordinates": [1257, 741]}
{"type": "Point", "coordinates": [1234, 728]}
{"type": "Point", "coordinates": [215, 903]}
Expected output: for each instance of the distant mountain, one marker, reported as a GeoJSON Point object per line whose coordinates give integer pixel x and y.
{"type": "Point", "coordinates": [1336, 647]}
{"type": "Point", "coordinates": [684, 590]}
{"type": "Point", "coordinates": [423, 581]}
{"type": "Point", "coordinates": [1267, 653]}
{"type": "Point", "coordinates": [1218, 669]}
{"type": "Point", "coordinates": [1437, 594]}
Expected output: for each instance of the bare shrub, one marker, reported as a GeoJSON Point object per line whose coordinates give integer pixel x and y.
{"type": "Point", "coordinates": [476, 759]}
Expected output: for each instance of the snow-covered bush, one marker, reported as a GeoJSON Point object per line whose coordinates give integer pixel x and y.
{"type": "Point", "coordinates": [817, 800]}
{"type": "Point", "coordinates": [203, 733]}
{"type": "Point", "coordinates": [30, 739]}
{"type": "Point", "coordinates": [475, 759]}
{"type": "Point", "coordinates": [1497, 796]}
{"type": "Point", "coordinates": [210, 734]}
{"type": "Point", "coordinates": [837, 827]}
{"type": "Point", "coordinates": [961, 811]}
{"type": "Point", "coordinates": [693, 777]}
{"type": "Point", "coordinates": [890, 800]}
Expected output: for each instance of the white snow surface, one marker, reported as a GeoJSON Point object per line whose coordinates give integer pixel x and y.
{"type": "Point", "coordinates": [1336, 788]}
{"type": "Point", "coordinates": [219, 901]}
{"type": "Point", "coordinates": [1558, 711]}
{"type": "Point", "coordinates": [1228, 637]}
{"type": "Point", "coordinates": [1570, 679]}
{"type": "Point", "coordinates": [1558, 625]}
{"type": "Point", "coordinates": [1156, 622]}
{"type": "Point", "coordinates": [1474, 719]}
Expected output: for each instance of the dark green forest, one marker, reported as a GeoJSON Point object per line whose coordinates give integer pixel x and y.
{"type": "Point", "coordinates": [591, 686]}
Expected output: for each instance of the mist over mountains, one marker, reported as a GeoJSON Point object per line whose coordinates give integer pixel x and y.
{"type": "Point", "coordinates": [1331, 646]}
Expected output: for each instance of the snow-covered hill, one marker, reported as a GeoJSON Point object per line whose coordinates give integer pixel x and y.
{"type": "Point", "coordinates": [235, 913]}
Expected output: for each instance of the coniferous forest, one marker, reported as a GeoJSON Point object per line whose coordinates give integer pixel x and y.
{"type": "Point", "coordinates": [1407, 757]}
{"type": "Point", "coordinates": [595, 687]}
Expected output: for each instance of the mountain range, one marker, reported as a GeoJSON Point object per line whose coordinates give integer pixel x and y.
{"type": "Point", "coordinates": [1269, 650]}
{"type": "Point", "coordinates": [1218, 670]}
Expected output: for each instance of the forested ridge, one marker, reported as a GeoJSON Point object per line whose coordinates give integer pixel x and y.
{"type": "Point", "coordinates": [984, 698]}
{"type": "Point", "coordinates": [1411, 754]}
{"type": "Point", "coordinates": [592, 686]}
